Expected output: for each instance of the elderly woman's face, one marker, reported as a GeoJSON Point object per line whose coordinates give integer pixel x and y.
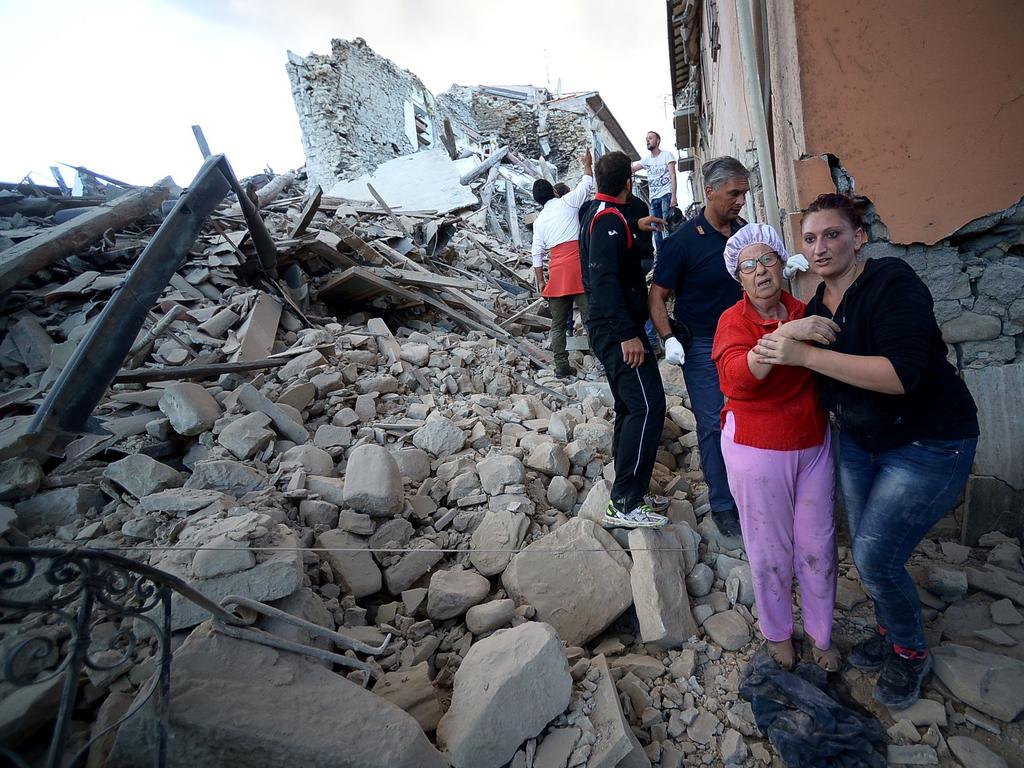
{"type": "Point", "coordinates": [760, 280]}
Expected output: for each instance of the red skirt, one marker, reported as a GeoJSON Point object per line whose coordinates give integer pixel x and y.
{"type": "Point", "coordinates": [565, 275]}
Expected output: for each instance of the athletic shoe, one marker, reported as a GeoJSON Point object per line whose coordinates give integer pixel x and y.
{"type": "Point", "coordinates": [899, 684]}
{"type": "Point", "coordinates": [564, 371]}
{"type": "Point", "coordinates": [869, 655]}
{"type": "Point", "coordinates": [657, 503]}
{"type": "Point", "coordinates": [728, 522]}
{"type": "Point", "coordinates": [641, 516]}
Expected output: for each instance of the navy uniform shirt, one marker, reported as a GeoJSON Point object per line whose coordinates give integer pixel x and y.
{"type": "Point", "coordinates": [690, 264]}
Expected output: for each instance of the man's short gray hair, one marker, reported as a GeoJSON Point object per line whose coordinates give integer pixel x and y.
{"type": "Point", "coordinates": [719, 170]}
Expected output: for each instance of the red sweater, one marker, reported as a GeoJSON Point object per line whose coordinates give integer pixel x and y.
{"type": "Point", "coordinates": [780, 412]}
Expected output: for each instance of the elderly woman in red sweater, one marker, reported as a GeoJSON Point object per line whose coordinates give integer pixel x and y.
{"type": "Point", "coordinates": [776, 445]}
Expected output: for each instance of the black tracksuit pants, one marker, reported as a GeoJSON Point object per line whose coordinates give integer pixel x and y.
{"type": "Point", "coordinates": [639, 415]}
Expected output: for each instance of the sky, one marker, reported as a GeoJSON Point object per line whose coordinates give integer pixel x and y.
{"type": "Point", "coordinates": [115, 85]}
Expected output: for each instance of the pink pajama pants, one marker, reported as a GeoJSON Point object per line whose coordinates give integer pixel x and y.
{"type": "Point", "coordinates": [785, 501]}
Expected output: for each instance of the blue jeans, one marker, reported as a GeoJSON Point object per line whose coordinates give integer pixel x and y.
{"type": "Point", "coordinates": [659, 208]}
{"type": "Point", "coordinates": [652, 334]}
{"type": "Point", "coordinates": [892, 500]}
{"type": "Point", "coordinates": [701, 376]}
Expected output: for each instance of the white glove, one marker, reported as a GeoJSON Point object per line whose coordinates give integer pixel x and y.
{"type": "Point", "coordinates": [795, 263]}
{"type": "Point", "coordinates": [674, 351]}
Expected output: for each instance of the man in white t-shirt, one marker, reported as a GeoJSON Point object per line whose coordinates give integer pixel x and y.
{"type": "Point", "coordinates": [661, 180]}
{"type": "Point", "coordinates": [661, 183]}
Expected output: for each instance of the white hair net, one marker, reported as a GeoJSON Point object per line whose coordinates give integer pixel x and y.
{"type": "Point", "coordinates": [750, 235]}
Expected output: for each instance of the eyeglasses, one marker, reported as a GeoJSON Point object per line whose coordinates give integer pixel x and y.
{"type": "Point", "coordinates": [768, 259]}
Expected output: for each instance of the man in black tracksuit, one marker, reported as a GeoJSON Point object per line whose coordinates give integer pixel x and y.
{"type": "Point", "coordinates": [616, 286]}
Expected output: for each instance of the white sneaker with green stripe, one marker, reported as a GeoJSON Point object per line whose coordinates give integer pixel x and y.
{"type": "Point", "coordinates": [641, 516]}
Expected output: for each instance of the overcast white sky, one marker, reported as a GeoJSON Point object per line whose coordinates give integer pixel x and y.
{"type": "Point", "coordinates": [115, 85]}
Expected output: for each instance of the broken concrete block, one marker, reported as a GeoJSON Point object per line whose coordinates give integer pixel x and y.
{"type": "Point", "coordinates": [141, 475]}
{"type": "Point", "coordinates": [509, 686]}
{"type": "Point", "coordinates": [411, 689]}
{"type": "Point", "coordinates": [454, 592]}
{"type": "Point", "coordinates": [231, 477]}
{"type": "Point", "coordinates": [295, 711]}
{"type": "Point", "coordinates": [354, 571]}
{"type": "Point", "coordinates": [987, 681]}
{"type": "Point", "coordinates": [659, 568]}
{"type": "Point", "coordinates": [439, 437]}
{"type": "Point", "coordinates": [19, 478]}
{"type": "Point", "coordinates": [247, 435]}
{"type": "Point", "coordinates": [190, 408]}
{"type": "Point", "coordinates": [373, 483]}
{"type": "Point", "coordinates": [61, 506]}
{"type": "Point", "coordinates": [573, 585]}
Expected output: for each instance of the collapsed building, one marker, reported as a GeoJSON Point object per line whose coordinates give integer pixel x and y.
{"type": "Point", "coordinates": [333, 425]}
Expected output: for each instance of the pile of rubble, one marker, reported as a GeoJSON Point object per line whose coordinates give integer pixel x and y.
{"type": "Point", "coordinates": [372, 441]}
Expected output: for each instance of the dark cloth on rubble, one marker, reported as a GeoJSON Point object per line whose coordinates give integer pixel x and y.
{"type": "Point", "coordinates": [807, 727]}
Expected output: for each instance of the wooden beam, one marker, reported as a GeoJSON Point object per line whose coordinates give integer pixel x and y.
{"type": "Point", "coordinates": [390, 212]}
{"type": "Point", "coordinates": [512, 213]}
{"type": "Point", "coordinates": [428, 280]}
{"type": "Point", "coordinates": [524, 311]}
{"type": "Point", "coordinates": [494, 159]}
{"type": "Point", "coordinates": [308, 212]}
{"type": "Point", "coordinates": [188, 372]}
{"type": "Point", "coordinates": [39, 252]}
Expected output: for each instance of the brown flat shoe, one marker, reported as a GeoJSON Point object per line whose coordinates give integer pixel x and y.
{"type": "Point", "coordinates": [782, 653]}
{"type": "Point", "coordinates": [829, 659]}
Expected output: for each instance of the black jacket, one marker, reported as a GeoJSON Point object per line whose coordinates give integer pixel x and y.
{"type": "Point", "coordinates": [613, 277]}
{"type": "Point", "coordinates": [888, 311]}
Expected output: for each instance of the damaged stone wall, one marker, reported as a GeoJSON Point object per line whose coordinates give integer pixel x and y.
{"type": "Point", "coordinates": [357, 110]}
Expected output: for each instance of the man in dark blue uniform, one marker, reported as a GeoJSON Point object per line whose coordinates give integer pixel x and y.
{"type": "Point", "coordinates": [690, 265]}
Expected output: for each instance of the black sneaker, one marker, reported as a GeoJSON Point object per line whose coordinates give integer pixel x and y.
{"type": "Point", "coordinates": [564, 371]}
{"type": "Point", "coordinates": [869, 655]}
{"type": "Point", "coordinates": [728, 522]}
{"type": "Point", "coordinates": [899, 685]}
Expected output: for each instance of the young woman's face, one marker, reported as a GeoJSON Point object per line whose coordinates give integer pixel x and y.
{"type": "Point", "coordinates": [830, 243]}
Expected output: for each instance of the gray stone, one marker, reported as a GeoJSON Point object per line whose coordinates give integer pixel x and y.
{"type": "Point", "coordinates": [330, 436]}
{"type": "Point", "coordinates": [23, 711]}
{"type": "Point", "coordinates": [700, 580]}
{"type": "Point", "coordinates": [703, 729]}
{"type": "Point", "coordinates": [61, 506]}
{"type": "Point", "coordinates": [549, 458]}
{"type": "Point", "coordinates": [462, 487]}
{"type": "Point", "coordinates": [683, 417]}
{"type": "Point", "coordinates": [19, 478]}
{"type": "Point", "coordinates": [247, 435]}
{"type": "Point", "coordinates": [595, 436]}
{"type": "Point", "coordinates": [556, 749]}
{"type": "Point", "coordinates": [974, 754]}
{"type": "Point", "coordinates": [573, 585]}
{"type": "Point", "coordinates": [496, 539]}
{"type": "Point", "coordinates": [739, 587]}
{"type": "Point", "coordinates": [141, 475]}
{"type": "Point", "coordinates": [969, 326]}
{"type": "Point", "coordinates": [596, 502]}
{"type": "Point", "coordinates": [980, 354]}
{"type": "Point", "coordinates": [355, 522]}
{"type": "Point", "coordinates": [295, 712]}
{"type": "Point", "coordinates": [561, 494]}
{"type": "Point", "coordinates": [991, 505]}
{"type": "Point", "coordinates": [221, 556]}
{"type": "Point", "coordinates": [1002, 279]}
{"type": "Point", "coordinates": [351, 563]}
{"type": "Point", "coordinates": [287, 423]}
{"type": "Point", "coordinates": [413, 464]}
{"type": "Point", "coordinates": [615, 744]}
{"type": "Point", "coordinates": [400, 576]}
{"type": "Point", "coordinates": [415, 354]}
{"type": "Point", "coordinates": [298, 396]}
{"type": "Point", "coordinates": [659, 567]}
{"type": "Point", "coordinates": [986, 681]}
{"type": "Point", "coordinates": [998, 391]}
{"type": "Point", "coordinates": [1004, 613]}
{"type": "Point", "coordinates": [509, 686]}
{"type": "Point", "coordinates": [190, 408]}
{"type": "Point", "coordinates": [923, 712]}
{"type": "Point", "coordinates": [411, 689]}
{"type": "Point", "coordinates": [373, 483]}
{"type": "Point", "coordinates": [394, 534]}
{"type": "Point", "coordinates": [300, 364]}
{"type": "Point", "coordinates": [949, 584]}
{"type": "Point", "coordinates": [911, 754]}
{"type": "Point", "coordinates": [489, 616]}
{"type": "Point", "coordinates": [314, 512]}
{"type": "Point", "coordinates": [227, 476]}
{"type": "Point", "coordinates": [728, 629]}
{"type": "Point", "coordinates": [734, 748]}
{"type": "Point", "coordinates": [439, 437]}
{"type": "Point", "coordinates": [498, 471]}
{"type": "Point", "coordinates": [383, 384]}
{"type": "Point", "coordinates": [330, 489]}
{"type": "Point", "coordinates": [996, 636]}
{"type": "Point", "coordinates": [315, 461]}
{"type": "Point", "coordinates": [724, 565]}
{"type": "Point", "coordinates": [454, 592]}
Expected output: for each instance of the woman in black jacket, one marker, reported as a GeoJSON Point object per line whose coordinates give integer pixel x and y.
{"type": "Point", "coordinates": [908, 427]}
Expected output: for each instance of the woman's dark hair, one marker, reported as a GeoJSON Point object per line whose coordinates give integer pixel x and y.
{"type": "Point", "coordinates": [613, 171]}
{"type": "Point", "coordinates": [561, 189]}
{"type": "Point", "coordinates": [542, 191]}
{"type": "Point", "coordinates": [839, 203]}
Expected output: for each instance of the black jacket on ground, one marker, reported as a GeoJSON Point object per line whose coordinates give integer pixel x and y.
{"type": "Point", "coordinates": [613, 277]}
{"type": "Point", "coordinates": [888, 311]}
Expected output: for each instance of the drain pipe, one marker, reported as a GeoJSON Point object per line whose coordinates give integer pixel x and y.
{"type": "Point", "coordinates": [755, 110]}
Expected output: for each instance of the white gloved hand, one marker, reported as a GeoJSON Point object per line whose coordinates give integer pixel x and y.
{"type": "Point", "coordinates": [795, 263]}
{"type": "Point", "coordinates": [674, 351]}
